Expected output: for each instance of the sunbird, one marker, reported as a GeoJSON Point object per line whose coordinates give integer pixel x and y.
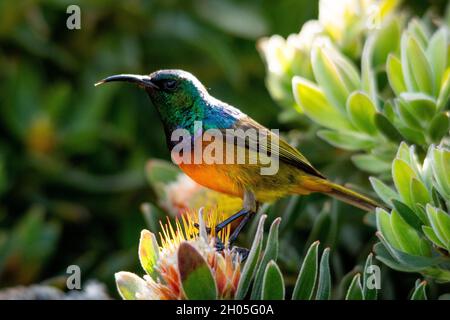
{"type": "Point", "coordinates": [181, 101]}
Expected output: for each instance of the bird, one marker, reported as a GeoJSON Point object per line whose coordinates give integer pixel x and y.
{"type": "Point", "coordinates": [183, 103]}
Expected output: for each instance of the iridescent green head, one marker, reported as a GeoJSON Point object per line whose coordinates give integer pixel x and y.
{"type": "Point", "coordinates": [175, 93]}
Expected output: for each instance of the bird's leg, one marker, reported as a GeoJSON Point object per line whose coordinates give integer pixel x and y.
{"type": "Point", "coordinates": [250, 207]}
{"type": "Point", "coordinates": [231, 218]}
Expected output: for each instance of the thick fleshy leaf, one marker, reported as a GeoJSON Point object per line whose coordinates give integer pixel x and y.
{"type": "Point", "coordinates": [407, 115]}
{"type": "Point", "coordinates": [406, 236]}
{"type": "Point", "coordinates": [370, 163]}
{"type": "Point", "coordinates": [402, 175]}
{"type": "Point", "coordinates": [369, 269]}
{"type": "Point", "coordinates": [395, 74]}
{"type": "Point", "coordinates": [419, 194]}
{"type": "Point", "coordinates": [270, 253]}
{"type": "Point", "coordinates": [419, 292]}
{"type": "Point", "coordinates": [431, 235]}
{"type": "Point", "coordinates": [413, 135]}
{"type": "Point", "coordinates": [196, 277]}
{"type": "Point", "coordinates": [306, 280]}
{"type": "Point", "coordinates": [383, 191]}
{"type": "Point", "coordinates": [347, 140]}
{"type": "Point", "coordinates": [440, 164]}
{"type": "Point", "coordinates": [384, 226]}
{"type": "Point", "coordinates": [273, 283]}
{"type": "Point", "coordinates": [355, 291]}
{"type": "Point", "coordinates": [328, 77]}
{"type": "Point", "coordinates": [252, 261]}
{"type": "Point", "coordinates": [439, 126]}
{"type": "Point", "coordinates": [132, 287]}
{"type": "Point", "coordinates": [437, 55]}
{"type": "Point", "coordinates": [385, 126]}
{"type": "Point", "coordinates": [412, 262]}
{"type": "Point", "coordinates": [408, 76]}
{"type": "Point", "coordinates": [408, 215]}
{"type": "Point", "coordinates": [444, 92]}
{"type": "Point", "coordinates": [440, 222]}
{"type": "Point", "coordinates": [362, 111]}
{"type": "Point", "coordinates": [421, 69]}
{"type": "Point", "coordinates": [148, 252]}
{"type": "Point", "coordinates": [387, 40]}
{"type": "Point", "coordinates": [368, 75]}
{"type": "Point", "coordinates": [385, 256]}
{"type": "Point", "coordinates": [347, 70]}
{"type": "Point", "coordinates": [316, 106]}
{"type": "Point", "coordinates": [419, 31]}
{"type": "Point", "coordinates": [422, 107]}
{"type": "Point", "coordinates": [324, 284]}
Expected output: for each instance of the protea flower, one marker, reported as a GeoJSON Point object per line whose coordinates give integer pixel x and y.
{"type": "Point", "coordinates": [184, 264]}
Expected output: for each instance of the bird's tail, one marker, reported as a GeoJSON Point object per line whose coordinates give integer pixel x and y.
{"type": "Point", "coordinates": [351, 197]}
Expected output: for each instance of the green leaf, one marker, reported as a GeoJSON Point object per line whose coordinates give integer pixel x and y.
{"type": "Point", "coordinates": [408, 215]}
{"type": "Point", "coordinates": [395, 74]}
{"type": "Point", "coordinates": [444, 93]}
{"type": "Point", "coordinates": [439, 126]}
{"type": "Point", "coordinates": [431, 235]}
{"type": "Point", "coordinates": [347, 140]}
{"type": "Point", "coordinates": [368, 75]}
{"type": "Point", "coordinates": [324, 284]}
{"type": "Point", "coordinates": [306, 280]}
{"type": "Point", "coordinates": [362, 111]}
{"type": "Point", "coordinates": [270, 253]}
{"type": "Point", "coordinates": [437, 55]}
{"type": "Point", "coordinates": [422, 107]}
{"type": "Point", "coordinates": [419, 195]}
{"type": "Point", "coordinates": [328, 77]}
{"type": "Point", "coordinates": [316, 106]}
{"type": "Point", "coordinates": [387, 40]}
{"type": "Point", "coordinates": [440, 163]}
{"type": "Point", "coordinates": [406, 236]}
{"type": "Point", "coordinates": [273, 283]}
{"type": "Point", "coordinates": [402, 175]}
{"type": "Point", "coordinates": [408, 76]}
{"type": "Point", "coordinates": [369, 293]}
{"type": "Point", "coordinates": [407, 115]}
{"type": "Point", "coordinates": [384, 226]}
{"type": "Point", "coordinates": [196, 277]}
{"type": "Point", "coordinates": [355, 291]}
{"type": "Point", "coordinates": [419, 292]}
{"type": "Point", "coordinates": [420, 67]}
{"type": "Point", "coordinates": [252, 261]}
{"type": "Point", "coordinates": [385, 126]}
{"type": "Point", "coordinates": [371, 163]}
{"type": "Point", "coordinates": [440, 222]}
{"type": "Point", "coordinates": [413, 135]}
{"type": "Point", "coordinates": [384, 255]}
{"type": "Point", "coordinates": [418, 30]}
{"type": "Point", "coordinates": [132, 287]}
{"type": "Point", "coordinates": [408, 261]}
{"type": "Point", "coordinates": [148, 252]}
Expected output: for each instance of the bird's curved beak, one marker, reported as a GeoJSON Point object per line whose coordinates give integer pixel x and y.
{"type": "Point", "coordinates": [142, 81]}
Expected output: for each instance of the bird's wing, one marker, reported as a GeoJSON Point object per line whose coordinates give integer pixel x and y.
{"type": "Point", "coordinates": [285, 152]}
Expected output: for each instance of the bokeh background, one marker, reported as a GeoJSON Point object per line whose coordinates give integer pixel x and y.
{"type": "Point", "coordinates": [73, 157]}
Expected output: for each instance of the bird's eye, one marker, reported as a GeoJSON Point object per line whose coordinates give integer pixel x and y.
{"type": "Point", "coordinates": [170, 84]}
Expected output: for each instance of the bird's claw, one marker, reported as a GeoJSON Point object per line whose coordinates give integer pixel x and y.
{"type": "Point", "coordinates": [242, 252]}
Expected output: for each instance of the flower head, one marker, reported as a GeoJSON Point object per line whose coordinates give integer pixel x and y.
{"type": "Point", "coordinates": [185, 255]}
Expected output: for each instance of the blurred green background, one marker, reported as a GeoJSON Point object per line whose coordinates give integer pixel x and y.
{"type": "Point", "coordinates": [72, 156]}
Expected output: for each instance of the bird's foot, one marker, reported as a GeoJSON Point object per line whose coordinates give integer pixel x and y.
{"type": "Point", "coordinates": [218, 245]}
{"type": "Point", "coordinates": [208, 229]}
{"type": "Point", "coordinates": [240, 252]}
